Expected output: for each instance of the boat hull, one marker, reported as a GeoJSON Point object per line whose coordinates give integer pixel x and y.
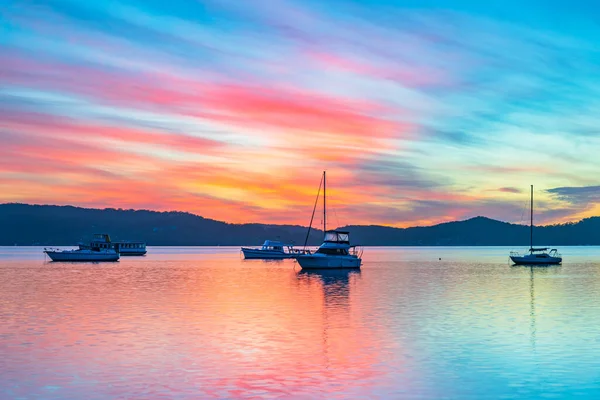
{"type": "Point", "coordinates": [525, 260]}
{"type": "Point", "coordinates": [125, 252]}
{"type": "Point", "coordinates": [315, 261]}
{"type": "Point", "coordinates": [76, 256]}
{"type": "Point", "coordinates": [258, 254]}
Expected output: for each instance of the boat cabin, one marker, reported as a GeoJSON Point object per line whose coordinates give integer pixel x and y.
{"type": "Point", "coordinates": [101, 241]}
{"type": "Point", "coordinates": [101, 237]}
{"type": "Point", "coordinates": [335, 243]}
{"type": "Point", "coordinates": [332, 251]}
{"type": "Point", "coordinates": [271, 245]}
{"type": "Point", "coordinates": [542, 252]}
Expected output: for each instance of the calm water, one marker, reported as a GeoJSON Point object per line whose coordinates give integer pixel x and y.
{"type": "Point", "coordinates": [200, 323]}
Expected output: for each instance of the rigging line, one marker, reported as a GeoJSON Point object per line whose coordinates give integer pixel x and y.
{"type": "Point", "coordinates": [313, 213]}
{"type": "Point", "coordinates": [335, 213]}
{"type": "Point", "coordinates": [523, 211]}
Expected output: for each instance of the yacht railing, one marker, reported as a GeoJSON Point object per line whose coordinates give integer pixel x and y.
{"type": "Point", "coordinates": [356, 251]}
{"type": "Point", "coordinates": [551, 253]}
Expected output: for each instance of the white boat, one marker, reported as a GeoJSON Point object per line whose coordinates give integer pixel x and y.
{"type": "Point", "coordinates": [82, 255]}
{"type": "Point", "coordinates": [536, 256]}
{"type": "Point", "coordinates": [336, 251]}
{"type": "Point", "coordinates": [271, 250]}
{"type": "Point", "coordinates": [125, 248]}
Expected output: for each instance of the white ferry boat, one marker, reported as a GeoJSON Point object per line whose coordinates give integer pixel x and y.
{"type": "Point", "coordinates": [125, 248]}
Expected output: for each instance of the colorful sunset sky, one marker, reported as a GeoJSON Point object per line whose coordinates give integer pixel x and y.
{"type": "Point", "coordinates": [420, 112]}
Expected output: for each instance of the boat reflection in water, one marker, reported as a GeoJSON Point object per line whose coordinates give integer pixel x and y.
{"type": "Point", "coordinates": [341, 349]}
{"type": "Point", "coordinates": [335, 282]}
{"type": "Point", "coordinates": [540, 271]}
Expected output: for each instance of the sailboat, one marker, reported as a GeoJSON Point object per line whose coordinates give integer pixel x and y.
{"type": "Point", "coordinates": [539, 255]}
{"type": "Point", "coordinates": [336, 251]}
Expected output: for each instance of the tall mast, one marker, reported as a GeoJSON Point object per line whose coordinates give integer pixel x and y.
{"type": "Point", "coordinates": [531, 223]}
{"type": "Point", "coordinates": [324, 204]}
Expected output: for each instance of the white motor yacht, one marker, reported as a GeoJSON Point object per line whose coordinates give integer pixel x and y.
{"type": "Point", "coordinates": [270, 250]}
{"type": "Point", "coordinates": [336, 251]}
{"type": "Point", "coordinates": [82, 255]}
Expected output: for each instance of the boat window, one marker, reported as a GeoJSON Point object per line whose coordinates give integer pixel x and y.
{"type": "Point", "coordinates": [326, 251]}
{"type": "Point", "coordinates": [333, 252]}
{"type": "Point", "coordinates": [337, 237]}
{"type": "Point", "coordinates": [331, 237]}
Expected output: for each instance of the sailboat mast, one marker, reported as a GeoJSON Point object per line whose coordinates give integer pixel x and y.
{"type": "Point", "coordinates": [324, 204]}
{"type": "Point", "coordinates": [531, 223]}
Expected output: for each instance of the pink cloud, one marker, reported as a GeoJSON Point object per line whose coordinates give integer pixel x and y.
{"type": "Point", "coordinates": [53, 126]}
{"type": "Point", "coordinates": [407, 75]}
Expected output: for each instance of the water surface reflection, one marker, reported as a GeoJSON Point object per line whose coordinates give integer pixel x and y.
{"type": "Point", "coordinates": [201, 323]}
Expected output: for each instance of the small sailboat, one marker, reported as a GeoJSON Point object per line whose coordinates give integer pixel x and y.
{"type": "Point", "coordinates": [537, 255]}
{"type": "Point", "coordinates": [336, 251]}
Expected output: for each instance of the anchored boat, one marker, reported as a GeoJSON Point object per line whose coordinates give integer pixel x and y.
{"type": "Point", "coordinates": [82, 255]}
{"type": "Point", "coordinates": [270, 250]}
{"type": "Point", "coordinates": [336, 251]}
{"type": "Point", "coordinates": [125, 248]}
{"type": "Point", "coordinates": [536, 256]}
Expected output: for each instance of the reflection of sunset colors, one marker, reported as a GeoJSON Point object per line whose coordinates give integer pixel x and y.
{"type": "Point", "coordinates": [231, 110]}
{"type": "Point", "coordinates": [195, 323]}
{"type": "Point", "coordinates": [215, 327]}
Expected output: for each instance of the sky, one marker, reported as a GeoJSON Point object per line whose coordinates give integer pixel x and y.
{"type": "Point", "coordinates": [421, 112]}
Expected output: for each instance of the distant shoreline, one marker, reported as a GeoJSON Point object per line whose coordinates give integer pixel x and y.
{"type": "Point", "coordinates": [46, 225]}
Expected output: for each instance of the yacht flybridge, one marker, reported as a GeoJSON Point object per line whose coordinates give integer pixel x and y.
{"type": "Point", "coordinates": [537, 255]}
{"type": "Point", "coordinates": [336, 251]}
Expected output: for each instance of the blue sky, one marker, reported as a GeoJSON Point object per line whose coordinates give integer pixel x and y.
{"type": "Point", "coordinates": [421, 112]}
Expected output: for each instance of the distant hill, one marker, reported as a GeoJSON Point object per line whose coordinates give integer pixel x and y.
{"type": "Point", "coordinates": [24, 224]}
{"type": "Point", "coordinates": [480, 231]}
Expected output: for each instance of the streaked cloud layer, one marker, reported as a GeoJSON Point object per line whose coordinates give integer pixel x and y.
{"type": "Point", "coordinates": [420, 113]}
